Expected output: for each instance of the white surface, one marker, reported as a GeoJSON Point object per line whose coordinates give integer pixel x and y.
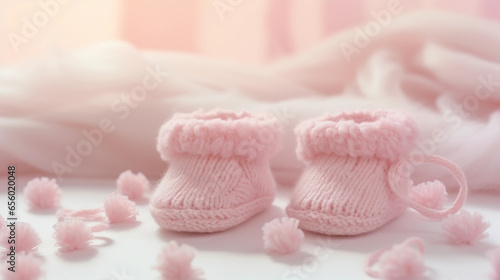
{"type": "Point", "coordinates": [131, 249]}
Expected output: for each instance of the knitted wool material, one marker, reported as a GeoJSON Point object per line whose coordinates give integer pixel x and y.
{"type": "Point", "coordinates": [218, 174]}
{"type": "Point", "coordinates": [344, 189]}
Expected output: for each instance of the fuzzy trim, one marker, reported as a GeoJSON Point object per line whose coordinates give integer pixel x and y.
{"type": "Point", "coordinates": [383, 134]}
{"type": "Point", "coordinates": [220, 132]}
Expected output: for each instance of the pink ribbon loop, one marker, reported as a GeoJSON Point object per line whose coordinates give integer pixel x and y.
{"type": "Point", "coordinates": [395, 174]}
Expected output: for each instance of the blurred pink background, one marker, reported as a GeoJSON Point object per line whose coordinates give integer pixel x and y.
{"type": "Point", "coordinates": [250, 31]}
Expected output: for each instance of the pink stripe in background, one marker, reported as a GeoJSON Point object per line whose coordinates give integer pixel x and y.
{"type": "Point", "coordinates": [338, 15]}
{"type": "Point", "coordinates": [253, 32]}
{"type": "Point", "coordinates": [278, 20]}
{"type": "Point", "coordinates": [160, 24]}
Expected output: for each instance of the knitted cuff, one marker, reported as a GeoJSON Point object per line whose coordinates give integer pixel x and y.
{"type": "Point", "coordinates": [219, 132]}
{"type": "Point", "coordinates": [382, 134]}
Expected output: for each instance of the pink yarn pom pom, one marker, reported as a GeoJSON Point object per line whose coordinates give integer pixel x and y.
{"type": "Point", "coordinates": [494, 256]}
{"type": "Point", "coordinates": [72, 234]}
{"type": "Point", "coordinates": [398, 262]}
{"type": "Point", "coordinates": [132, 185]}
{"type": "Point", "coordinates": [28, 267]}
{"type": "Point", "coordinates": [119, 209]}
{"type": "Point", "coordinates": [429, 194]}
{"type": "Point", "coordinates": [27, 239]}
{"type": "Point", "coordinates": [42, 193]}
{"type": "Point", "coordinates": [282, 236]}
{"type": "Point", "coordinates": [174, 262]}
{"type": "Point", "coordinates": [465, 228]}
{"type": "Point", "coordinates": [402, 262]}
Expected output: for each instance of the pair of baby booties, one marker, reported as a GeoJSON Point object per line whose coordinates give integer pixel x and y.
{"type": "Point", "coordinates": [356, 177]}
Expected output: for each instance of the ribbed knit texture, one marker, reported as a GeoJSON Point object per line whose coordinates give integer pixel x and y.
{"type": "Point", "coordinates": [216, 179]}
{"type": "Point", "coordinates": [344, 189]}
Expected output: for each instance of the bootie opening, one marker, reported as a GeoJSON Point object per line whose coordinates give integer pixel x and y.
{"type": "Point", "coordinates": [220, 132]}
{"type": "Point", "coordinates": [382, 134]}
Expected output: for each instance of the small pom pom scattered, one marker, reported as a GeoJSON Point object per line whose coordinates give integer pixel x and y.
{"type": "Point", "coordinates": [119, 209]}
{"type": "Point", "coordinates": [72, 234]}
{"type": "Point", "coordinates": [430, 194]}
{"type": "Point", "coordinates": [402, 262]}
{"type": "Point", "coordinates": [42, 193]}
{"type": "Point", "coordinates": [494, 257]}
{"type": "Point", "coordinates": [282, 236]}
{"type": "Point", "coordinates": [134, 186]}
{"type": "Point", "coordinates": [28, 267]}
{"type": "Point", "coordinates": [27, 239]}
{"type": "Point", "coordinates": [465, 228]}
{"type": "Point", "coordinates": [398, 262]}
{"type": "Point", "coordinates": [174, 262]}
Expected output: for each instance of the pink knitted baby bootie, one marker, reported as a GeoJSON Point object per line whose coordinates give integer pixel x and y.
{"type": "Point", "coordinates": [347, 187]}
{"type": "Point", "coordinates": [218, 174]}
